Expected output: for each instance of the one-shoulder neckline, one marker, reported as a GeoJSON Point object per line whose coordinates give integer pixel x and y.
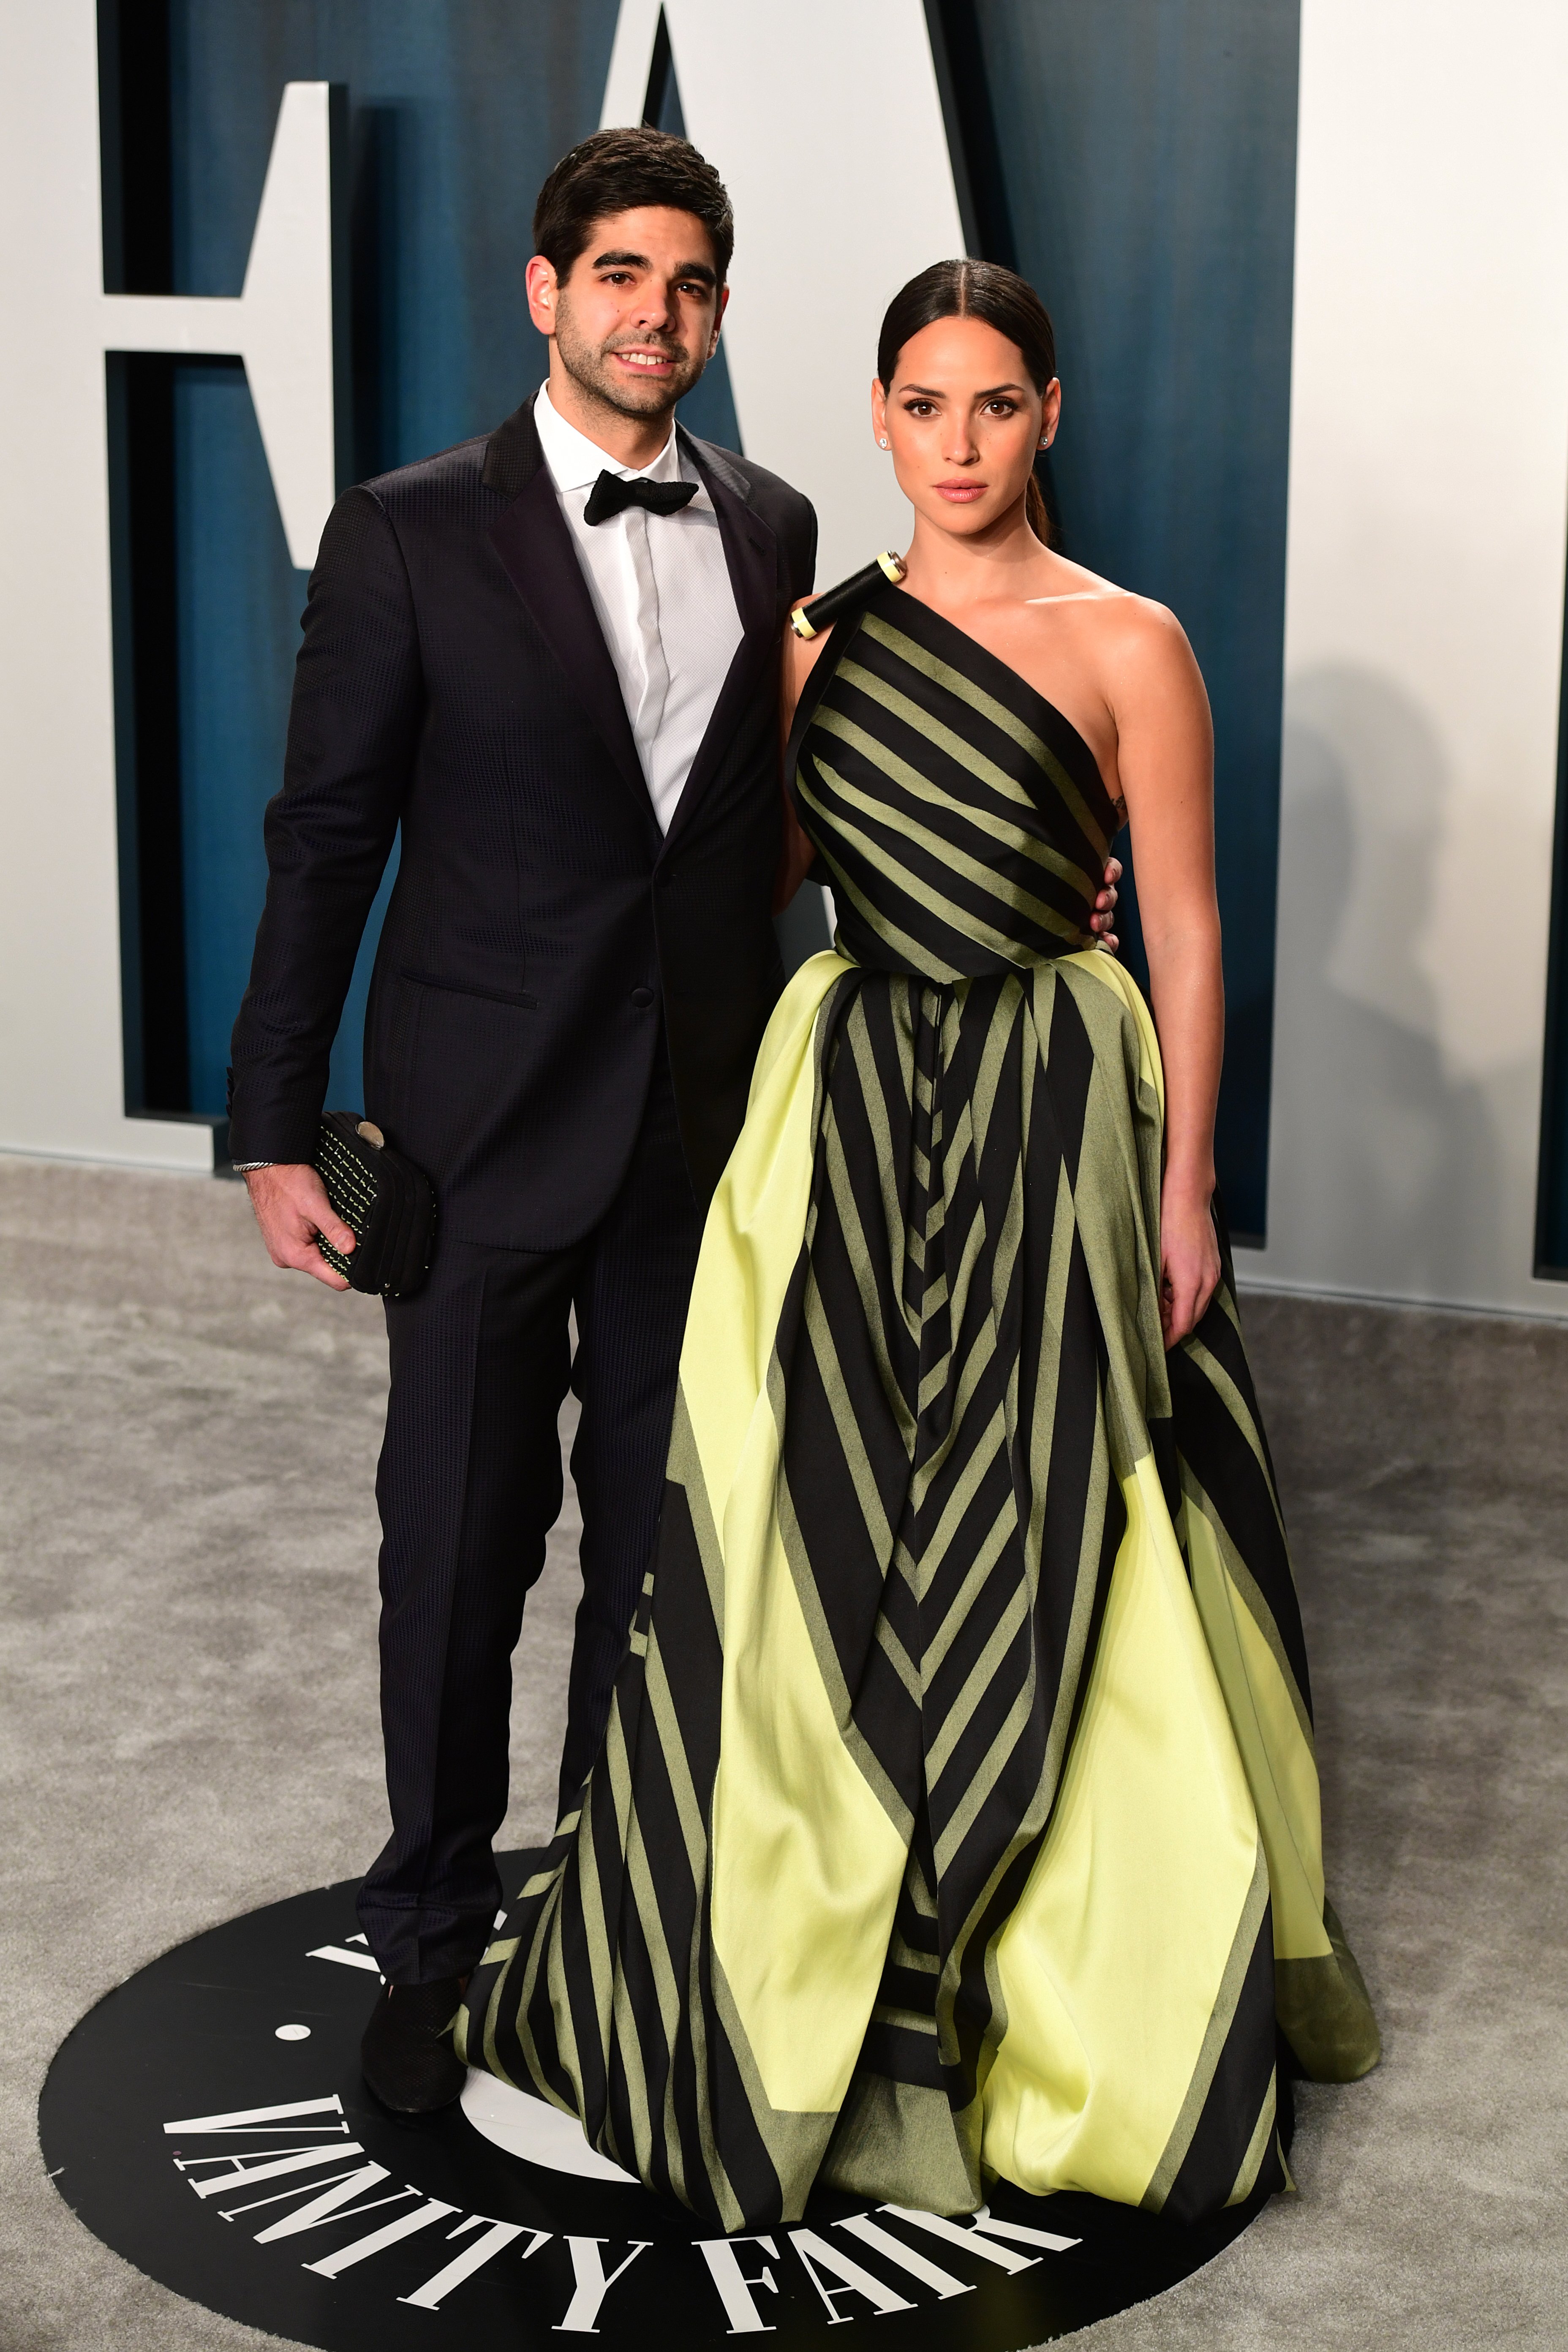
{"type": "Point", "coordinates": [893, 599]}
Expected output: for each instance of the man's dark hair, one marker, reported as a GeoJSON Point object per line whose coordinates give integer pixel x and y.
{"type": "Point", "coordinates": [616, 171]}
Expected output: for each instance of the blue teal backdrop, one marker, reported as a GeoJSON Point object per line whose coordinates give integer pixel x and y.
{"type": "Point", "coordinates": [1135, 159]}
{"type": "Point", "coordinates": [1140, 172]}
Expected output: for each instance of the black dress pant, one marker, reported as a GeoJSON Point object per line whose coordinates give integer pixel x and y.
{"type": "Point", "coordinates": [469, 1484]}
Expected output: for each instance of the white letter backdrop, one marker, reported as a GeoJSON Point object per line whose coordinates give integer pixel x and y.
{"type": "Point", "coordinates": [62, 1087]}
{"type": "Point", "coordinates": [825, 125]}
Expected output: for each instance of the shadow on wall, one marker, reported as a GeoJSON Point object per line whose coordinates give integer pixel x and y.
{"type": "Point", "coordinates": [1386, 1164]}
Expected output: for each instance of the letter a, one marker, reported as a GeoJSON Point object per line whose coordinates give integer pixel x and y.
{"type": "Point", "coordinates": [813, 2250]}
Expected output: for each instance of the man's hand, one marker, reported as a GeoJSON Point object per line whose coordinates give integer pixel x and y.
{"type": "Point", "coordinates": [1104, 914]}
{"type": "Point", "coordinates": [291, 1208]}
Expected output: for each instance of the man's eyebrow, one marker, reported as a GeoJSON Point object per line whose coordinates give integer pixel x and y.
{"type": "Point", "coordinates": [698, 269]}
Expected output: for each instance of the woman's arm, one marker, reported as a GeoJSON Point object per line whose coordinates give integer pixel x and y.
{"type": "Point", "coordinates": [1165, 759]}
{"type": "Point", "coordinates": [796, 855]}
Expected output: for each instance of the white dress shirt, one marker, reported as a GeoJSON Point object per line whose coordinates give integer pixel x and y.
{"type": "Point", "coordinates": [660, 586]}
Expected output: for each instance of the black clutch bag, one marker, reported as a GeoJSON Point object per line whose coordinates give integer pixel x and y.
{"type": "Point", "coordinates": [389, 1202]}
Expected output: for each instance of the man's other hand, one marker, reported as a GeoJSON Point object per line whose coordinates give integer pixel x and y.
{"type": "Point", "coordinates": [1104, 914]}
{"type": "Point", "coordinates": [291, 1209]}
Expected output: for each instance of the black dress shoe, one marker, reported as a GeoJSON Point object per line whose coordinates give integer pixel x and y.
{"type": "Point", "coordinates": [406, 2054]}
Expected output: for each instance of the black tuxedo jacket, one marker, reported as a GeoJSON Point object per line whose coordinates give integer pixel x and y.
{"type": "Point", "coordinates": [454, 679]}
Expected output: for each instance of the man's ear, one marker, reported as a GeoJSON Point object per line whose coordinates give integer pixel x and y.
{"type": "Point", "coordinates": [542, 291]}
{"type": "Point", "coordinates": [718, 319]}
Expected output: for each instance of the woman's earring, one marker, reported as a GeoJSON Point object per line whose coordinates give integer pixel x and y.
{"type": "Point", "coordinates": [884, 440]}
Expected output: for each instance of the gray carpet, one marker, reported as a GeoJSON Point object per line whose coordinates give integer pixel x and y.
{"type": "Point", "coordinates": [186, 1639]}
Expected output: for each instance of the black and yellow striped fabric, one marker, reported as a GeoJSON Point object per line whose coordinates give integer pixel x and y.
{"type": "Point", "coordinates": [958, 1817]}
{"type": "Point", "coordinates": [964, 836]}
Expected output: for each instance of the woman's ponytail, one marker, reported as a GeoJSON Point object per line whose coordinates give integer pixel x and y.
{"type": "Point", "coordinates": [1035, 513]}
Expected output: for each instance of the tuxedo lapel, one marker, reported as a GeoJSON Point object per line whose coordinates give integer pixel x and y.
{"type": "Point", "coordinates": [751, 553]}
{"type": "Point", "coordinates": [536, 547]}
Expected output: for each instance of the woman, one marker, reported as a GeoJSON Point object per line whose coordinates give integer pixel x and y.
{"type": "Point", "coordinates": [958, 1815]}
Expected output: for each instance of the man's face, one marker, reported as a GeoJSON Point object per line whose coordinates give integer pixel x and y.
{"type": "Point", "coordinates": [637, 319]}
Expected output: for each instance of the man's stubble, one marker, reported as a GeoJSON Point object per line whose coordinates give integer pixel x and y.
{"type": "Point", "coordinates": [591, 370]}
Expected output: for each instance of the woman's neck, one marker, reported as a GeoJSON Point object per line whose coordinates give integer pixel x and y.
{"type": "Point", "coordinates": [954, 568]}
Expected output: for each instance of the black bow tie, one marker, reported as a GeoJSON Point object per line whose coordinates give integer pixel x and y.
{"type": "Point", "coordinates": [611, 492]}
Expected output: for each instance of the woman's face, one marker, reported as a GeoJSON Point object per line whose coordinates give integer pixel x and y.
{"type": "Point", "coordinates": [964, 422]}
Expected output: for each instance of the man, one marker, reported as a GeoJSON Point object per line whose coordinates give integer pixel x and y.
{"type": "Point", "coordinates": [549, 655]}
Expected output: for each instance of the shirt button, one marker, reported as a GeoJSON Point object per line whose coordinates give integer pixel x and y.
{"type": "Point", "coordinates": [642, 998]}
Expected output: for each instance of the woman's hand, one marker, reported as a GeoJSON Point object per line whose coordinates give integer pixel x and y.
{"type": "Point", "coordinates": [1189, 1258]}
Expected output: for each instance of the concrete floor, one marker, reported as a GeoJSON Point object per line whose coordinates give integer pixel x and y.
{"type": "Point", "coordinates": [189, 1729]}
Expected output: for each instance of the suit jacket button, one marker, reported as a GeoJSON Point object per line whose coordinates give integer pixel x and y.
{"type": "Point", "coordinates": [642, 998]}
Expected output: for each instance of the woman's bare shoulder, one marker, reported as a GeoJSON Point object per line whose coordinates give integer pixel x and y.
{"type": "Point", "coordinates": [1104, 606]}
{"type": "Point", "coordinates": [1116, 627]}
{"type": "Point", "coordinates": [800, 657]}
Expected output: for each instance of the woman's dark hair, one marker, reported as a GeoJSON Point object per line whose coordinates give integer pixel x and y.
{"type": "Point", "coordinates": [616, 171]}
{"type": "Point", "coordinates": [976, 289]}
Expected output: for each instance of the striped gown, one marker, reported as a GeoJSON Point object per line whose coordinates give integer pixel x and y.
{"type": "Point", "coordinates": [958, 1815]}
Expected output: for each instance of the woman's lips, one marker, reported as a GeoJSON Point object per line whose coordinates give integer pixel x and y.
{"type": "Point", "coordinates": [960, 493]}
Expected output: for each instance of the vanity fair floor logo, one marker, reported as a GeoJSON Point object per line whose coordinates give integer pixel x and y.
{"type": "Point", "coordinates": [208, 2121]}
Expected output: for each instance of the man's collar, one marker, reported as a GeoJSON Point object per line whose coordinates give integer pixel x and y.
{"type": "Point", "coordinates": [575, 463]}
{"type": "Point", "coordinates": [513, 456]}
